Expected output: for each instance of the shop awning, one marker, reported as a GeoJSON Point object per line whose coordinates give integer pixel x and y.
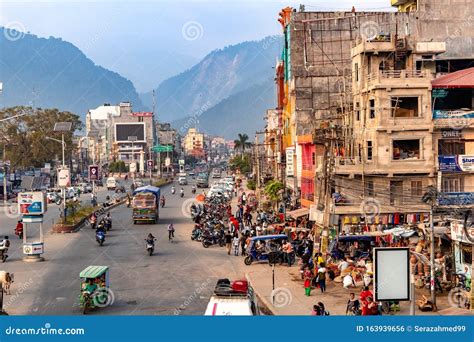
{"type": "Point", "coordinates": [298, 213]}
{"type": "Point", "coordinates": [459, 79]}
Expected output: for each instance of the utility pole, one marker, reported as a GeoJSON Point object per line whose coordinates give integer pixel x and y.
{"type": "Point", "coordinates": [258, 169]}
{"type": "Point", "coordinates": [5, 173]}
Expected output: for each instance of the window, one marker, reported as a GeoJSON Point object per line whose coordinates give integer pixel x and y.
{"type": "Point", "coordinates": [446, 147]}
{"type": "Point", "coordinates": [372, 108]}
{"type": "Point", "coordinates": [466, 253]}
{"type": "Point", "coordinates": [370, 188]}
{"type": "Point", "coordinates": [406, 149]}
{"type": "Point", "coordinates": [357, 110]}
{"type": "Point", "coordinates": [396, 192]}
{"type": "Point", "coordinates": [405, 107]}
{"type": "Point", "coordinates": [416, 188]}
{"type": "Point", "coordinates": [356, 72]}
{"type": "Point", "coordinates": [369, 150]}
{"type": "Point", "coordinates": [452, 184]}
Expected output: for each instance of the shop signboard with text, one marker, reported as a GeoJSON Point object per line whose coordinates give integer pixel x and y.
{"type": "Point", "coordinates": [459, 163]}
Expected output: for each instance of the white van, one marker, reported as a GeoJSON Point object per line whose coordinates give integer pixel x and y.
{"type": "Point", "coordinates": [235, 298]}
{"type": "Point", "coordinates": [111, 183]}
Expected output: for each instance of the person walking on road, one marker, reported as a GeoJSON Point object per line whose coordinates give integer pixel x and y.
{"type": "Point", "coordinates": [235, 244]}
{"type": "Point", "coordinates": [243, 242]}
{"type": "Point", "coordinates": [322, 277]}
{"type": "Point", "coordinates": [307, 275]}
{"type": "Point", "coordinates": [228, 241]}
{"type": "Point", "coordinates": [170, 232]}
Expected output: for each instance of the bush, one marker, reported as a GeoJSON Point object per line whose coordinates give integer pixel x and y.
{"type": "Point", "coordinates": [118, 166]}
{"type": "Point", "coordinates": [251, 184]}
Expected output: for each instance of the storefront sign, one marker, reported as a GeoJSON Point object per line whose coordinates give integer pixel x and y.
{"type": "Point", "coordinates": [451, 134]}
{"type": "Point", "coordinates": [453, 114]}
{"type": "Point", "coordinates": [290, 163]}
{"type": "Point", "coordinates": [456, 198]}
{"type": "Point", "coordinates": [458, 234]}
{"type": "Point", "coordinates": [460, 163]}
{"type": "Point", "coordinates": [32, 203]}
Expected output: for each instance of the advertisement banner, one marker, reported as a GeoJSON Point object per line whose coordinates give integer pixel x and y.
{"type": "Point", "coordinates": [453, 114]}
{"type": "Point", "coordinates": [456, 198]}
{"type": "Point", "coordinates": [458, 234]}
{"type": "Point", "coordinates": [459, 163]}
{"type": "Point", "coordinates": [32, 203]}
{"type": "Point", "coordinates": [290, 163]}
{"type": "Point", "coordinates": [34, 248]}
{"type": "Point", "coordinates": [64, 178]}
{"type": "Point", "coordinates": [93, 172]}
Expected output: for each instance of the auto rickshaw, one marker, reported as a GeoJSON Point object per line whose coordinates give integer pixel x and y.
{"type": "Point", "coordinates": [270, 243]}
{"type": "Point", "coordinates": [95, 290]}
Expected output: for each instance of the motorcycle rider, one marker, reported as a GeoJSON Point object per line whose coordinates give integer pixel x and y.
{"type": "Point", "coordinates": [181, 192]}
{"type": "Point", "coordinates": [193, 189]}
{"type": "Point", "coordinates": [19, 229]}
{"type": "Point", "coordinates": [4, 245]}
{"type": "Point", "coordinates": [162, 201]}
{"type": "Point", "coordinates": [173, 189]}
{"type": "Point", "coordinates": [150, 239]}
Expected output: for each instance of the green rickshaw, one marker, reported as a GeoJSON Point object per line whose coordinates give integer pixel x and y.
{"type": "Point", "coordinates": [95, 290]}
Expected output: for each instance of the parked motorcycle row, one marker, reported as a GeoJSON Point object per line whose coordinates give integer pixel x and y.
{"type": "Point", "coordinates": [211, 220]}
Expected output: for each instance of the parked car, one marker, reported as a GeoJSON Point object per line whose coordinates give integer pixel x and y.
{"type": "Point", "coordinates": [182, 180]}
{"type": "Point", "coordinates": [53, 197]}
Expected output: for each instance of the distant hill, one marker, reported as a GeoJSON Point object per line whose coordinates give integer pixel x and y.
{"type": "Point", "coordinates": [242, 112]}
{"type": "Point", "coordinates": [52, 73]}
{"type": "Point", "coordinates": [218, 76]}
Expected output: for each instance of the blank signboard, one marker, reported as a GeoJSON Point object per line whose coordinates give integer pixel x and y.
{"type": "Point", "coordinates": [392, 274]}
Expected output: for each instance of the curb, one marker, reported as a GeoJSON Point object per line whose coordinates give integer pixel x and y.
{"type": "Point", "coordinates": [267, 306]}
{"type": "Point", "coordinates": [75, 228]}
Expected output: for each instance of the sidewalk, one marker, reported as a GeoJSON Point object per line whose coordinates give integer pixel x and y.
{"type": "Point", "coordinates": [289, 297]}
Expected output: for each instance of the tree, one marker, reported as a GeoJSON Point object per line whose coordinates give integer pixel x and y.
{"type": "Point", "coordinates": [25, 136]}
{"type": "Point", "coordinates": [242, 142]}
{"type": "Point", "coordinates": [273, 191]}
{"type": "Point", "coordinates": [118, 166]}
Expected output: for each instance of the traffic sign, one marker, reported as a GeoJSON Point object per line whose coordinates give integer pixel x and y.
{"type": "Point", "coordinates": [93, 172]}
{"type": "Point", "coordinates": [149, 163]}
{"type": "Point", "coordinates": [162, 148]}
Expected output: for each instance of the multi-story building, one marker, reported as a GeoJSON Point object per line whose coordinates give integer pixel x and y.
{"type": "Point", "coordinates": [193, 143]}
{"type": "Point", "coordinates": [118, 133]}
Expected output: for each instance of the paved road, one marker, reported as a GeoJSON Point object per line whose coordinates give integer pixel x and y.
{"type": "Point", "coordinates": [177, 279]}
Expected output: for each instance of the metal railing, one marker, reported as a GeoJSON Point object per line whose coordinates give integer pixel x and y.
{"type": "Point", "coordinates": [396, 74]}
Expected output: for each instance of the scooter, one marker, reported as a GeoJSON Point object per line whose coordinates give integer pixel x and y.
{"type": "Point", "coordinates": [150, 246]}
{"type": "Point", "coordinates": [100, 237]}
{"type": "Point", "coordinates": [196, 234]}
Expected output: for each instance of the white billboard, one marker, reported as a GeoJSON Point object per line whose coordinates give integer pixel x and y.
{"type": "Point", "coordinates": [392, 274]}
{"type": "Point", "coordinates": [290, 161]}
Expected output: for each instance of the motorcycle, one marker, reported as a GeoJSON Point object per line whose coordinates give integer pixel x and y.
{"type": "Point", "coordinates": [193, 190]}
{"type": "Point", "coordinates": [108, 223]}
{"type": "Point", "coordinates": [182, 194]}
{"type": "Point", "coordinates": [213, 239]}
{"type": "Point", "coordinates": [196, 234]}
{"type": "Point", "coordinates": [150, 246]}
{"type": "Point", "coordinates": [173, 190]}
{"type": "Point", "coordinates": [100, 237]}
{"type": "Point", "coordinates": [162, 202]}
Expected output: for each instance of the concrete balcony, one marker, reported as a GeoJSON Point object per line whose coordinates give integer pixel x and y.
{"type": "Point", "coordinates": [398, 79]}
{"type": "Point", "coordinates": [352, 166]}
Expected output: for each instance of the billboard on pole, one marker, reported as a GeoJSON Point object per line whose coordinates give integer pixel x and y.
{"type": "Point", "coordinates": [392, 274]}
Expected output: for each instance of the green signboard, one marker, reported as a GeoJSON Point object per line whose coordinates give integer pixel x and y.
{"type": "Point", "coordinates": [163, 148]}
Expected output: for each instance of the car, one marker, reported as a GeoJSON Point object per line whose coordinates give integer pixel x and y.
{"type": "Point", "coordinates": [53, 197]}
{"type": "Point", "coordinates": [88, 188]}
{"type": "Point", "coordinates": [111, 183]}
{"type": "Point", "coordinates": [137, 183]}
{"type": "Point", "coordinates": [182, 180]}
{"type": "Point", "coordinates": [119, 189]}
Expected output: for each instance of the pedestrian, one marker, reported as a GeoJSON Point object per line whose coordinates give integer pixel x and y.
{"type": "Point", "coordinates": [353, 305]}
{"type": "Point", "coordinates": [289, 253]}
{"type": "Point", "coordinates": [369, 307]}
{"type": "Point", "coordinates": [235, 244]}
{"type": "Point", "coordinates": [322, 277]}
{"type": "Point", "coordinates": [228, 241]}
{"type": "Point", "coordinates": [243, 241]}
{"type": "Point", "coordinates": [307, 276]}
{"type": "Point", "coordinates": [244, 198]}
{"type": "Point", "coordinates": [324, 312]}
{"type": "Point", "coordinates": [316, 311]}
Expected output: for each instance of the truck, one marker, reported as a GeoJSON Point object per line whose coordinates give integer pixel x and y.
{"type": "Point", "coordinates": [111, 183]}
{"type": "Point", "coordinates": [216, 173]}
{"type": "Point", "coordinates": [145, 204]}
{"type": "Point", "coordinates": [202, 180]}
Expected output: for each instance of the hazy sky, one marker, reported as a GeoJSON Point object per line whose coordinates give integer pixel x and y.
{"type": "Point", "coordinates": [134, 37]}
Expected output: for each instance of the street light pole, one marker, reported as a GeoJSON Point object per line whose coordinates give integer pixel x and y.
{"type": "Point", "coordinates": [432, 258]}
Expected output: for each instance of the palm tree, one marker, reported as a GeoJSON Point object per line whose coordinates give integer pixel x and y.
{"type": "Point", "coordinates": [242, 142]}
